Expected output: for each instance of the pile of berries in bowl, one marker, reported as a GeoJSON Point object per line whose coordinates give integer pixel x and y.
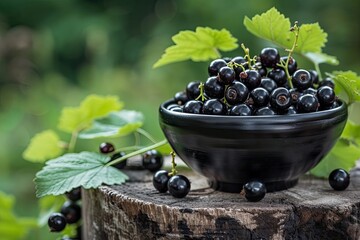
{"type": "Point", "coordinates": [259, 118]}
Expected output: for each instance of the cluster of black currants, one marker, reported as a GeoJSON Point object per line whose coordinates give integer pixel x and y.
{"type": "Point", "coordinates": [152, 160]}
{"type": "Point", "coordinates": [265, 85]}
{"type": "Point", "coordinates": [70, 213]}
{"type": "Point", "coordinates": [177, 185]}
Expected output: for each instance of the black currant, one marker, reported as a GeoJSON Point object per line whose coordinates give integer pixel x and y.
{"type": "Point", "coordinates": [280, 99]}
{"type": "Point", "coordinates": [268, 84]}
{"type": "Point", "coordinates": [181, 98]}
{"type": "Point", "coordinates": [309, 90]}
{"type": "Point", "coordinates": [339, 179]}
{"type": "Point", "coordinates": [326, 96]}
{"type": "Point", "coordinates": [307, 103]}
{"type": "Point", "coordinates": [236, 62]}
{"type": "Point", "coordinates": [236, 93]}
{"type": "Point", "coordinates": [71, 212]}
{"type": "Point", "coordinates": [213, 88]}
{"type": "Point", "coordinates": [215, 66]}
{"type": "Point", "coordinates": [74, 194]}
{"type": "Point", "coordinates": [120, 165]}
{"type": "Point", "coordinates": [160, 180]}
{"type": "Point", "coordinates": [260, 97]}
{"type": "Point", "coordinates": [179, 186]}
{"type": "Point", "coordinates": [269, 57]}
{"type": "Point", "coordinates": [278, 75]}
{"type": "Point", "coordinates": [106, 147]}
{"type": "Point", "coordinates": [290, 111]}
{"type": "Point", "coordinates": [214, 107]}
{"type": "Point", "coordinates": [295, 94]}
{"type": "Point", "coordinates": [264, 111]}
{"type": "Point", "coordinates": [240, 110]}
{"type": "Point", "coordinates": [226, 75]}
{"type": "Point", "coordinates": [152, 160]}
{"type": "Point", "coordinates": [327, 82]}
{"type": "Point", "coordinates": [254, 191]}
{"type": "Point", "coordinates": [251, 78]}
{"type": "Point", "coordinates": [301, 79]}
{"type": "Point", "coordinates": [193, 90]}
{"type": "Point", "coordinates": [314, 76]}
{"type": "Point", "coordinates": [193, 106]}
{"type": "Point", "coordinates": [292, 66]}
{"type": "Point", "coordinates": [56, 222]}
{"type": "Point", "coordinates": [260, 68]}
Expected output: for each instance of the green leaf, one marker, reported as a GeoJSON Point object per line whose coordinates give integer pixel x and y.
{"type": "Point", "coordinates": [92, 107]}
{"type": "Point", "coordinates": [48, 205]}
{"type": "Point", "coordinates": [349, 82]}
{"type": "Point", "coordinates": [343, 155]}
{"type": "Point", "coordinates": [311, 38]}
{"type": "Point", "coordinates": [201, 45]}
{"type": "Point", "coordinates": [116, 124]}
{"type": "Point", "coordinates": [318, 58]}
{"type": "Point", "coordinates": [86, 169]}
{"type": "Point", "coordinates": [43, 146]}
{"type": "Point", "coordinates": [352, 133]}
{"type": "Point", "coordinates": [12, 227]}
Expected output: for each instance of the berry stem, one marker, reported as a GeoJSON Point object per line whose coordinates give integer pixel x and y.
{"type": "Point", "coordinates": [146, 134]}
{"type": "Point", "coordinates": [295, 29]}
{"type": "Point", "coordinates": [317, 69]}
{"type": "Point", "coordinates": [247, 55]}
{"type": "Point", "coordinates": [173, 164]}
{"type": "Point", "coordinates": [137, 152]}
{"type": "Point", "coordinates": [202, 95]}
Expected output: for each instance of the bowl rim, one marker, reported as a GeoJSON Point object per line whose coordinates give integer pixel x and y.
{"type": "Point", "coordinates": [339, 113]}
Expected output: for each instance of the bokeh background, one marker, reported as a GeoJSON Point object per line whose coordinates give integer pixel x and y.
{"type": "Point", "coordinates": [54, 53]}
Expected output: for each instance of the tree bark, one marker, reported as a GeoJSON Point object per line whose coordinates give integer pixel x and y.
{"type": "Point", "coordinates": [135, 210]}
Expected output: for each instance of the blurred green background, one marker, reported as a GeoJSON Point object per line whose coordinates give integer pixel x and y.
{"type": "Point", "coordinates": [54, 53]}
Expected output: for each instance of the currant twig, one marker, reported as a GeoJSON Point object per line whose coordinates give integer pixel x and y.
{"type": "Point", "coordinates": [247, 55]}
{"type": "Point", "coordinates": [173, 164]}
{"type": "Point", "coordinates": [146, 134]}
{"type": "Point", "coordinates": [202, 94]}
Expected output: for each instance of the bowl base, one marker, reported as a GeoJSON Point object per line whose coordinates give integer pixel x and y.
{"type": "Point", "coordinates": [237, 187]}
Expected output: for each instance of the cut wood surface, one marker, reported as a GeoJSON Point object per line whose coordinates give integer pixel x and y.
{"type": "Point", "coordinates": [135, 210]}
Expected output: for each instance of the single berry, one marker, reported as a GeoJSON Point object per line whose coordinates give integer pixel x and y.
{"type": "Point", "coordinates": [179, 186]}
{"type": "Point", "coordinates": [301, 79]}
{"type": "Point", "coordinates": [120, 165]}
{"type": "Point", "coordinates": [181, 98]}
{"type": "Point", "coordinates": [326, 96]}
{"type": "Point", "coordinates": [268, 84]}
{"type": "Point", "coordinates": [279, 76]}
{"type": "Point", "coordinates": [280, 99]}
{"type": "Point", "coordinates": [215, 66]}
{"type": "Point", "coordinates": [160, 180]}
{"type": "Point", "coordinates": [269, 57]}
{"type": "Point", "coordinates": [214, 107]}
{"type": "Point", "coordinates": [213, 88]}
{"type": "Point", "coordinates": [74, 194]}
{"type": "Point", "coordinates": [226, 75]}
{"type": "Point", "coordinates": [307, 103]}
{"type": "Point", "coordinates": [260, 68]}
{"type": "Point", "coordinates": [152, 160]}
{"type": "Point", "coordinates": [292, 66]}
{"type": "Point", "coordinates": [56, 222]}
{"type": "Point", "coordinates": [264, 111]}
{"type": "Point", "coordinates": [106, 147]}
{"type": "Point", "coordinates": [240, 110]}
{"type": "Point", "coordinates": [327, 82]}
{"type": "Point", "coordinates": [339, 179]}
{"type": "Point", "coordinates": [314, 76]}
{"type": "Point", "coordinates": [193, 90]}
{"type": "Point", "coordinates": [290, 111]}
{"type": "Point", "coordinates": [251, 79]}
{"type": "Point", "coordinates": [260, 97]}
{"type": "Point", "coordinates": [236, 93]}
{"type": "Point", "coordinates": [254, 191]}
{"type": "Point", "coordinates": [309, 90]}
{"type": "Point", "coordinates": [193, 106]}
{"type": "Point", "coordinates": [295, 94]}
{"type": "Point", "coordinates": [71, 212]}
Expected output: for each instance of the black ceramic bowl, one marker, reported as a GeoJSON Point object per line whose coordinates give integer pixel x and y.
{"type": "Point", "coordinates": [232, 150]}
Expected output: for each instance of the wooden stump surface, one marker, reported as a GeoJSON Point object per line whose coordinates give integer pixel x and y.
{"type": "Point", "coordinates": [135, 210]}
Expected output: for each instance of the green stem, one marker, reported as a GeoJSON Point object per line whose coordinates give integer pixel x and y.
{"type": "Point", "coordinates": [317, 69]}
{"type": "Point", "coordinates": [130, 148]}
{"type": "Point", "coordinates": [173, 164]}
{"type": "Point", "coordinates": [146, 134]}
{"type": "Point", "coordinates": [137, 152]}
{"type": "Point", "coordinates": [202, 95]}
{"type": "Point", "coordinates": [73, 140]}
{"type": "Point", "coordinates": [247, 55]}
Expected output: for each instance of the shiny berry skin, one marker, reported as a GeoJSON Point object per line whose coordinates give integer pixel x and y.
{"type": "Point", "coordinates": [290, 111]}
{"type": "Point", "coordinates": [314, 76]}
{"type": "Point", "coordinates": [106, 147]}
{"type": "Point", "coordinates": [214, 107]}
{"type": "Point", "coordinates": [192, 90]}
{"type": "Point", "coordinates": [260, 97]}
{"type": "Point", "coordinates": [254, 191]}
{"type": "Point", "coordinates": [268, 84]}
{"type": "Point", "coordinates": [295, 94]}
{"type": "Point", "coordinates": [292, 67]}
{"type": "Point", "coordinates": [332, 106]}
{"type": "Point", "coordinates": [181, 98]}
{"type": "Point", "coordinates": [264, 111]}
{"type": "Point", "coordinates": [301, 79]}
{"type": "Point", "coordinates": [307, 103]}
{"type": "Point", "coordinates": [327, 82]}
{"type": "Point", "coordinates": [279, 76]}
{"type": "Point", "coordinates": [260, 68]}
{"type": "Point", "coordinates": [240, 110]}
{"type": "Point", "coordinates": [213, 88]}
{"type": "Point", "coordinates": [236, 93]}
{"type": "Point", "coordinates": [74, 194]}
{"type": "Point", "coordinates": [215, 66]}
{"type": "Point", "coordinates": [152, 160]}
{"type": "Point", "coordinates": [160, 180]}
{"type": "Point", "coordinates": [339, 179]}
{"type": "Point", "coordinates": [56, 222]}
{"type": "Point", "coordinates": [326, 96]}
{"type": "Point", "coordinates": [251, 79]}
{"type": "Point", "coordinates": [269, 57]}
{"type": "Point", "coordinates": [226, 75]}
{"type": "Point", "coordinates": [309, 90]}
{"type": "Point", "coordinates": [120, 165]}
{"type": "Point", "coordinates": [280, 99]}
{"type": "Point", "coordinates": [239, 61]}
{"type": "Point", "coordinates": [179, 186]}
{"type": "Point", "coordinates": [71, 212]}
{"type": "Point", "coordinates": [193, 106]}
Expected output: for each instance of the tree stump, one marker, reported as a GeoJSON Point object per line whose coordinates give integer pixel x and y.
{"type": "Point", "coordinates": [135, 210]}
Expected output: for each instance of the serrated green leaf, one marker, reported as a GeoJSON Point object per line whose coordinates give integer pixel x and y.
{"type": "Point", "coordinates": [319, 58]}
{"type": "Point", "coordinates": [48, 205]}
{"type": "Point", "coordinates": [201, 45]}
{"type": "Point", "coordinates": [343, 155]}
{"type": "Point", "coordinates": [350, 82]}
{"type": "Point", "coordinates": [312, 38]}
{"type": "Point", "coordinates": [86, 169]}
{"type": "Point", "coordinates": [12, 227]}
{"type": "Point", "coordinates": [92, 107]}
{"type": "Point", "coordinates": [43, 146]}
{"type": "Point", "coordinates": [116, 124]}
